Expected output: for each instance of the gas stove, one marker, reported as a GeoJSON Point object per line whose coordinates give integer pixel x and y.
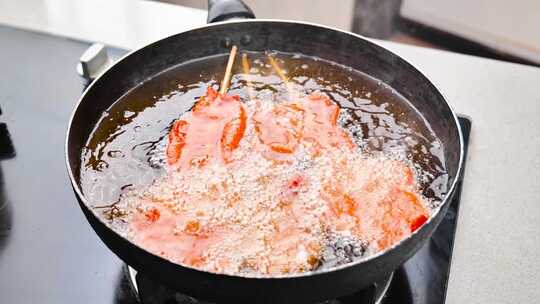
{"type": "Point", "coordinates": [49, 253]}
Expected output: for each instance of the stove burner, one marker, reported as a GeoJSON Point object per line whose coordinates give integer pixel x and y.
{"type": "Point", "coordinates": [149, 292]}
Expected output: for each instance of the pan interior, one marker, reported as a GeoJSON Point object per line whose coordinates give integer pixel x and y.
{"type": "Point", "coordinates": [126, 148]}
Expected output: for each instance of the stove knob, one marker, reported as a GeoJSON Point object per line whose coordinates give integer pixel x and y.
{"type": "Point", "coordinates": [93, 62]}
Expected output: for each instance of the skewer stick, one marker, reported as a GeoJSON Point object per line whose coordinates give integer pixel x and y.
{"type": "Point", "coordinates": [246, 68]}
{"type": "Point", "coordinates": [277, 69]}
{"type": "Point", "coordinates": [281, 74]}
{"type": "Point", "coordinates": [227, 78]}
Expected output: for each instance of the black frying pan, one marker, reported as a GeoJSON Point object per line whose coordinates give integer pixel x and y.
{"type": "Point", "coordinates": [259, 35]}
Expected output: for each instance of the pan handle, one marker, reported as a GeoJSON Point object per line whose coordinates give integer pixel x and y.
{"type": "Point", "coordinates": [221, 10]}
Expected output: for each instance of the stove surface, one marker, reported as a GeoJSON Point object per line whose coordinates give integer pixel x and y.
{"type": "Point", "coordinates": [48, 251]}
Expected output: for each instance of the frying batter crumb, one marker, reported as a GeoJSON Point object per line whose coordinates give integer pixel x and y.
{"type": "Point", "coordinates": [291, 194]}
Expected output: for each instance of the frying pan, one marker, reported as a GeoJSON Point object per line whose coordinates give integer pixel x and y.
{"type": "Point", "coordinates": [259, 35]}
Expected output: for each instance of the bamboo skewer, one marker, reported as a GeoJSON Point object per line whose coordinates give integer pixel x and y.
{"type": "Point", "coordinates": [246, 68]}
{"type": "Point", "coordinates": [227, 78]}
{"type": "Point", "coordinates": [281, 74]}
{"type": "Point", "coordinates": [277, 69]}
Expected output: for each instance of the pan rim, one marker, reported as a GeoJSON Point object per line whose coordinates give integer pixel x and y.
{"type": "Point", "coordinates": [299, 275]}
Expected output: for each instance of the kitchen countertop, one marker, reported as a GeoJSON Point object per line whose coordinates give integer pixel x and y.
{"type": "Point", "coordinates": [485, 22]}
{"type": "Point", "coordinates": [497, 247]}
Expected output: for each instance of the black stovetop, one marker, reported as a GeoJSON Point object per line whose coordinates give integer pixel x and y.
{"type": "Point", "coordinates": [48, 251]}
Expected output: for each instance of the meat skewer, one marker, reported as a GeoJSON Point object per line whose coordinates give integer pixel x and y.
{"type": "Point", "coordinates": [227, 78]}
{"type": "Point", "coordinates": [213, 129]}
